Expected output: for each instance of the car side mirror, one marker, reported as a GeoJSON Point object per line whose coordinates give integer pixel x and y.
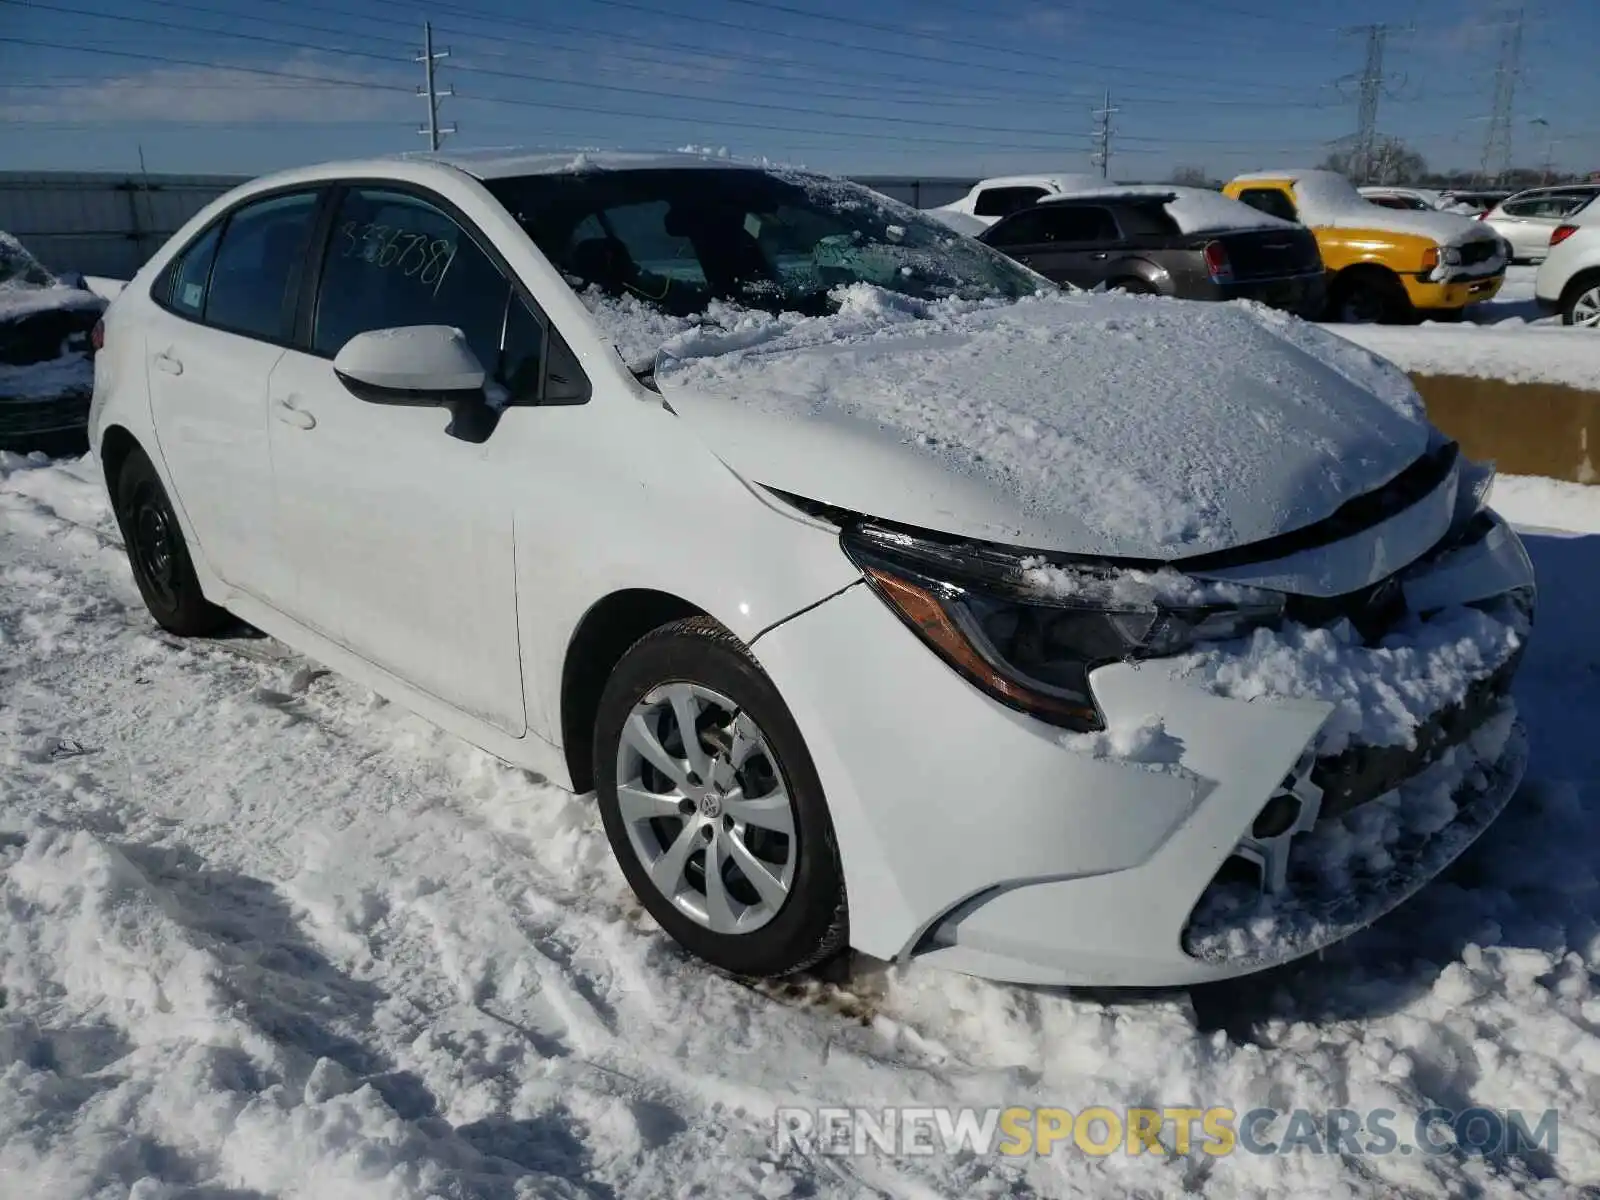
{"type": "Point", "coordinates": [420, 366]}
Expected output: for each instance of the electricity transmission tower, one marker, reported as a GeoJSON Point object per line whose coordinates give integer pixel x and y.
{"type": "Point", "coordinates": [433, 95]}
{"type": "Point", "coordinates": [1101, 156]}
{"type": "Point", "coordinates": [1497, 141]}
{"type": "Point", "coordinates": [1370, 87]}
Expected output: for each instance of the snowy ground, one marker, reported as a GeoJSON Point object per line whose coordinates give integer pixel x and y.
{"type": "Point", "coordinates": [1508, 338]}
{"type": "Point", "coordinates": [265, 935]}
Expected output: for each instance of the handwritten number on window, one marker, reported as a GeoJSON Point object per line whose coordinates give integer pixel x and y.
{"type": "Point", "coordinates": [414, 255]}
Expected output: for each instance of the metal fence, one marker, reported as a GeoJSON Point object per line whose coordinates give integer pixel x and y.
{"type": "Point", "coordinates": [101, 223]}
{"type": "Point", "coordinates": [109, 224]}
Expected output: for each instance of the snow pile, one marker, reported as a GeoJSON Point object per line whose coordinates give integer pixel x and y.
{"type": "Point", "coordinates": [1146, 743]}
{"type": "Point", "coordinates": [1195, 210]}
{"type": "Point", "coordinates": [1120, 414]}
{"type": "Point", "coordinates": [1532, 502]}
{"type": "Point", "coordinates": [1131, 590]}
{"type": "Point", "coordinates": [262, 934]}
{"type": "Point", "coordinates": [1510, 351]}
{"type": "Point", "coordinates": [1380, 694]}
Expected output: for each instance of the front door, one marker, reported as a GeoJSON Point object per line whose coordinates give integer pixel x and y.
{"type": "Point", "coordinates": [401, 536]}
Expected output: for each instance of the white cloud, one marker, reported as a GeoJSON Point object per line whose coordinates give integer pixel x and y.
{"type": "Point", "coordinates": [226, 96]}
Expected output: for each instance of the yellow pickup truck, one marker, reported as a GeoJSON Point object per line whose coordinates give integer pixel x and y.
{"type": "Point", "coordinates": [1382, 264]}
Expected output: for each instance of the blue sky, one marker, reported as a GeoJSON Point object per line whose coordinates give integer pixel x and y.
{"type": "Point", "coordinates": [895, 86]}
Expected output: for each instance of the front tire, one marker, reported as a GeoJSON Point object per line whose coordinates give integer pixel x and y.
{"type": "Point", "coordinates": [1368, 297]}
{"type": "Point", "coordinates": [713, 807]}
{"type": "Point", "coordinates": [158, 554]}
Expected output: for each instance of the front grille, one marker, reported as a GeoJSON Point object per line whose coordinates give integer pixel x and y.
{"type": "Point", "coordinates": [1362, 773]}
{"type": "Point", "coordinates": [1480, 251]}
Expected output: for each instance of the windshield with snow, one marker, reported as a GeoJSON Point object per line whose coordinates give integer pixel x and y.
{"type": "Point", "coordinates": [682, 238]}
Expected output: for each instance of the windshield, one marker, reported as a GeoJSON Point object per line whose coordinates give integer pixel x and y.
{"type": "Point", "coordinates": [682, 238]}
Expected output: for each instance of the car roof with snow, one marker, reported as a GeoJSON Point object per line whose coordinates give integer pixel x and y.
{"type": "Point", "coordinates": [507, 162]}
{"type": "Point", "coordinates": [1194, 209]}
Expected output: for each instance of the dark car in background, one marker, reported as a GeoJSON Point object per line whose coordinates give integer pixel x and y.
{"type": "Point", "coordinates": [1188, 243]}
{"type": "Point", "coordinates": [46, 367]}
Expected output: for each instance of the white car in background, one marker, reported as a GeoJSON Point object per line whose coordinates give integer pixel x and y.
{"type": "Point", "coordinates": [1569, 278]}
{"type": "Point", "coordinates": [883, 597]}
{"type": "Point", "coordinates": [1527, 219]}
{"type": "Point", "coordinates": [1414, 199]}
{"type": "Point", "coordinates": [990, 199]}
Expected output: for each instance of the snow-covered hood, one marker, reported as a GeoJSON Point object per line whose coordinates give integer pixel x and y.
{"type": "Point", "coordinates": [1117, 425]}
{"type": "Point", "coordinates": [1447, 229]}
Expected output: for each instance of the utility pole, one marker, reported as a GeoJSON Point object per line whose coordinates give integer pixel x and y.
{"type": "Point", "coordinates": [430, 92]}
{"type": "Point", "coordinates": [1497, 142]}
{"type": "Point", "coordinates": [1102, 135]}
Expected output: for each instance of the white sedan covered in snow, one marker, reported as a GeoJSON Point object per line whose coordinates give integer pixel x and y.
{"type": "Point", "coordinates": [884, 596]}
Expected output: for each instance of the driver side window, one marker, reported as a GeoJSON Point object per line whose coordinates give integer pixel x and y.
{"type": "Point", "coordinates": [393, 259]}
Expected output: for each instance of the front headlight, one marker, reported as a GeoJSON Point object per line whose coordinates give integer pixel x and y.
{"type": "Point", "coordinates": [1028, 631]}
{"type": "Point", "coordinates": [1452, 256]}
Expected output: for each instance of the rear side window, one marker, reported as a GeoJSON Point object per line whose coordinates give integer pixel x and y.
{"type": "Point", "coordinates": [188, 276]}
{"type": "Point", "coordinates": [263, 245]}
{"type": "Point", "coordinates": [396, 260]}
{"type": "Point", "coordinates": [1146, 219]}
{"type": "Point", "coordinates": [1544, 206]}
{"type": "Point", "coordinates": [1081, 223]}
{"type": "Point", "coordinates": [1270, 201]}
{"type": "Point", "coordinates": [1003, 201]}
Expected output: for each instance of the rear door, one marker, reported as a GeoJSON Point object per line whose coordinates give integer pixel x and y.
{"type": "Point", "coordinates": [225, 310]}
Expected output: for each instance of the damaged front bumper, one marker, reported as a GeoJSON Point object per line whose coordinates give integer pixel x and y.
{"type": "Point", "coordinates": [979, 840]}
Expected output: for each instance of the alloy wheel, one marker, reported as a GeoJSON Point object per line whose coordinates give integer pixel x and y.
{"type": "Point", "coordinates": [706, 808]}
{"type": "Point", "coordinates": [1586, 309]}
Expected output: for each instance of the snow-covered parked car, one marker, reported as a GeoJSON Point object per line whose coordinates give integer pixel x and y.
{"type": "Point", "coordinates": [1383, 264]}
{"type": "Point", "coordinates": [885, 596]}
{"type": "Point", "coordinates": [1569, 278]}
{"type": "Point", "coordinates": [1160, 239]}
{"type": "Point", "coordinates": [46, 372]}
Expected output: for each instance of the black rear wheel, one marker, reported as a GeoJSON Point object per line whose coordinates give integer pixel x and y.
{"type": "Point", "coordinates": [158, 554]}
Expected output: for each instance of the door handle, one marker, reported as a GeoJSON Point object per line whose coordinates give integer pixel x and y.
{"type": "Point", "coordinates": [1098, 255]}
{"type": "Point", "coordinates": [286, 411]}
{"type": "Point", "coordinates": [169, 364]}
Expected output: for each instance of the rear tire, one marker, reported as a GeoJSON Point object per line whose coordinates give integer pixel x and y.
{"type": "Point", "coordinates": [158, 554]}
{"type": "Point", "coordinates": [1367, 297]}
{"type": "Point", "coordinates": [742, 796]}
{"type": "Point", "coordinates": [1580, 305]}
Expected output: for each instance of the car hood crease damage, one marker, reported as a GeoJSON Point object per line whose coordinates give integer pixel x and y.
{"type": "Point", "coordinates": [1040, 423]}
